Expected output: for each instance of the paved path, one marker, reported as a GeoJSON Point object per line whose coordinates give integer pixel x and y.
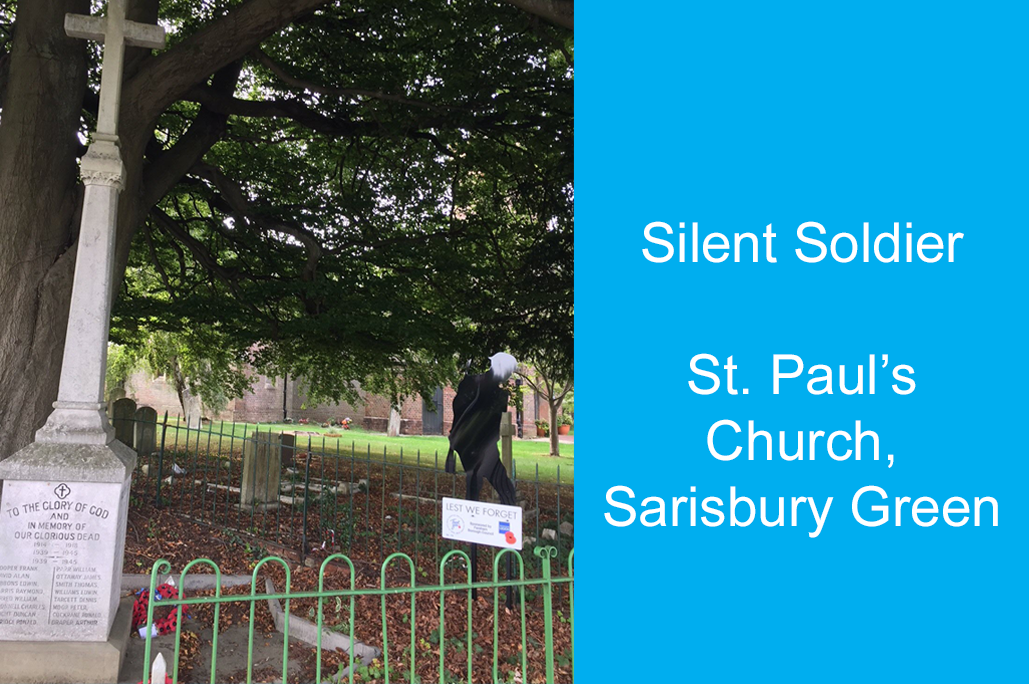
{"type": "Point", "coordinates": [563, 439]}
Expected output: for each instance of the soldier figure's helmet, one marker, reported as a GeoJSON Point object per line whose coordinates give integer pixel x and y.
{"type": "Point", "coordinates": [502, 366]}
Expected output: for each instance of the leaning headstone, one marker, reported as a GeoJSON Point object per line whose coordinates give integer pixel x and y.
{"type": "Point", "coordinates": [393, 425]}
{"type": "Point", "coordinates": [123, 421]}
{"type": "Point", "coordinates": [261, 472]}
{"type": "Point", "coordinates": [145, 437]}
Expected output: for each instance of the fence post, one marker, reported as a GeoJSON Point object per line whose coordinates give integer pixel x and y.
{"type": "Point", "coordinates": [545, 553]}
{"type": "Point", "coordinates": [307, 500]}
{"type": "Point", "coordinates": [160, 458]}
{"type": "Point", "coordinates": [507, 431]}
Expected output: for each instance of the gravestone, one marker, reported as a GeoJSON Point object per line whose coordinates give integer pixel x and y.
{"type": "Point", "coordinates": [145, 437]}
{"type": "Point", "coordinates": [287, 448]}
{"type": "Point", "coordinates": [194, 410]}
{"type": "Point", "coordinates": [394, 423]}
{"type": "Point", "coordinates": [116, 394]}
{"type": "Point", "coordinates": [123, 420]}
{"type": "Point", "coordinates": [262, 471]}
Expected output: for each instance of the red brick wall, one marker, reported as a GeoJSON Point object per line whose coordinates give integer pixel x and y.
{"type": "Point", "coordinates": [264, 405]}
{"type": "Point", "coordinates": [528, 412]}
{"type": "Point", "coordinates": [160, 395]}
{"type": "Point", "coordinates": [376, 414]}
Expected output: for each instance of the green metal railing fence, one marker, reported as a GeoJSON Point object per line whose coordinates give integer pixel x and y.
{"type": "Point", "coordinates": [342, 497]}
{"type": "Point", "coordinates": [410, 664]}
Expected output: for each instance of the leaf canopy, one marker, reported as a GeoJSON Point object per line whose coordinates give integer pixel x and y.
{"type": "Point", "coordinates": [388, 194]}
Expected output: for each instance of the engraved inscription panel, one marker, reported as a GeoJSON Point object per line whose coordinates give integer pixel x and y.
{"type": "Point", "coordinates": [56, 545]}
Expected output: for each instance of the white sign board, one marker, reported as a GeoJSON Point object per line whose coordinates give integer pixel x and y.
{"type": "Point", "coordinates": [482, 523]}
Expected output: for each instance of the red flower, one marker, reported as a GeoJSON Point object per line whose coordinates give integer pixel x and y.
{"type": "Point", "coordinates": [510, 537]}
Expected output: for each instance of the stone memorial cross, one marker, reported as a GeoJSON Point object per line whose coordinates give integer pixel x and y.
{"type": "Point", "coordinates": [78, 414]}
{"type": "Point", "coordinates": [65, 496]}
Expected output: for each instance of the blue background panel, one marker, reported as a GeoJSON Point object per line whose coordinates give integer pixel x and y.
{"type": "Point", "coordinates": [742, 115]}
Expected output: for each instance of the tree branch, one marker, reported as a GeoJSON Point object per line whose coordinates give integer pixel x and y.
{"type": "Point", "coordinates": [560, 12]}
{"type": "Point", "coordinates": [157, 262]}
{"type": "Point", "coordinates": [208, 127]}
{"type": "Point", "coordinates": [289, 109]}
{"type": "Point", "coordinates": [330, 91]}
{"type": "Point", "coordinates": [168, 76]}
{"type": "Point", "coordinates": [195, 247]}
{"type": "Point", "coordinates": [306, 116]}
{"type": "Point", "coordinates": [206, 260]}
{"type": "Point", "coordinates": [233, 194]}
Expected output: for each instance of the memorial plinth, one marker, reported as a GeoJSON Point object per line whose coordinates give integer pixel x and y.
{"type": "Point", "coordinates": [62, 540]}
{"type": "Point", "coordinates": [63, 513]}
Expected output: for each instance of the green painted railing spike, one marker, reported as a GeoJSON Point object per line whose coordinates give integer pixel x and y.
{"type": "Point", "coordinates": [496, 613]}
{"type": "Point", "coordinates": [456, 553]}
{"type": "Point", "coordinates": [385, 640]}
{"type": "Point", "coordinates": [285, 626]}
{"type": "Point", "coordinates": [155, 572]}
{"type": "Point", "coordinates": [545, 553]}
{"type": "Point", "coordinates": [217, 612]}
{"type": "Point", "coordinates": [571, 606]}
{"type": "Point", "coordinates": [321, 597]}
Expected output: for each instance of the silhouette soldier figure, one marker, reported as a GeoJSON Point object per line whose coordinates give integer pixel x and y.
{"type": "Point", "coordinates": [478, 406]}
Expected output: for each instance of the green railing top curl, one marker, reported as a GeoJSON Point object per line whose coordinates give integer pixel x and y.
{"type": "Point", "coordinates": [546, 552]}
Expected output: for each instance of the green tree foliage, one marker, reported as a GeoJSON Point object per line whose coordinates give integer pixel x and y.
{"type": "Point", "coordinates": [389, 193]}
{"type": "Point", "coordinates": [342, 191]}
{"type": "Point", "coordinates": [120, 364]}
{"type": "Point", "coordinates": [196, 367]}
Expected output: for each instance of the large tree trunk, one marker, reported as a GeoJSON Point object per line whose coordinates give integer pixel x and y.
{"type": "Point", "coordinates": [39, 199]}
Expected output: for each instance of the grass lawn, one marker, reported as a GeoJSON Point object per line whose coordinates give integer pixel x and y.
{"type": "Point", "coordinates": [528, 454]}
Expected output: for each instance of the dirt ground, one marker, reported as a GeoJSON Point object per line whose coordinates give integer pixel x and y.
{"type": "Point", "coordinates": [165, 533]}
{"type": "Point", "coordinates": [232, 656]}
